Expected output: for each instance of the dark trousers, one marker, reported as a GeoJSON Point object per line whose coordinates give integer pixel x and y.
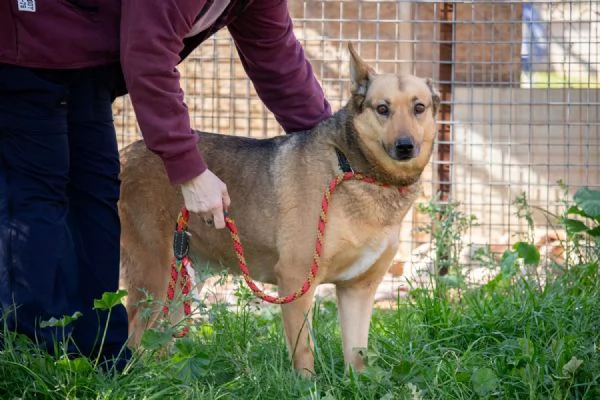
{"type": "Point", "coordinates": [59, 186]}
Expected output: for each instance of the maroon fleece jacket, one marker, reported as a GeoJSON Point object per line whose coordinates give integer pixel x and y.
{"type": "Point", "coordinates": [147, 38]}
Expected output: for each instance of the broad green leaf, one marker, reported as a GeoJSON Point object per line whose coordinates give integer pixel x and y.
{"type": "Point", "coordinates": [595, 232]}
{"type": "Point", "coordinates": [369, 356]}
{"type": "Point", "coordinates": [51, 323]}
{"type": "Point", "coordinates": [374, 374]}
{"type": "Point", "coordinates": [494, 283]}
{"type": "Point", "coordinates": [153, 339]}
{"type": "Point", "coordinates": [185, 347]}
{"type": "Point", "coordinates": [572, 366]}
{"type": "Point", "coordinates": [402, 369]}
{"type": "Point", "coordinates": [193, 368]}
{"type": "Point", "coordinates": [60, 323]}
{"type": "Point", "coordinates": [507, 263]}
{"type": "Point", "coordinates": [574, 225]}
{"type": "Point", "coordinates": [484, 381]}
{"type": "Point", "coordinates": [207, 330]}
{"type": "Point", "coordinates": [79, 365]}
{"type": "Point", "coordinates": [589, 201]}
{"type": "Point", "coordinates": [576, 210]}
{"type": "Point", "coordinates": [109, 300]}
{"type": "Point", "coordinates": [528, 252]}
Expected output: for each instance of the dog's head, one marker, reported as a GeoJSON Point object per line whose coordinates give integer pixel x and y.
{"type": "Point", "coordinates": [394, 119]}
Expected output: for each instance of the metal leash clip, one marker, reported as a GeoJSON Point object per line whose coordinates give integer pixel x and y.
{"type": "Point", "coordinates": [181, 243]}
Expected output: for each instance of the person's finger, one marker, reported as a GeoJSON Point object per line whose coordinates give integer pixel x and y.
{"type": "Point", "coordinates": [226, 200]}
{"type": "Point", "coordinates": [218, 218]}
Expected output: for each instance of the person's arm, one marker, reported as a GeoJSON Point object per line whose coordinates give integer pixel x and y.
{"type": "Point", "coordinates": [275, 62]}
{"type": "Point", "coordinates": [152, 34]}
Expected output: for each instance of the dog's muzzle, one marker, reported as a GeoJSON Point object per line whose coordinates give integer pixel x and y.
{"type": "Point", "coordinates": [403, 149]}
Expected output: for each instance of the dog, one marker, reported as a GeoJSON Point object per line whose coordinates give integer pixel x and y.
{"type": "Point", "coordinates": [385, 131]}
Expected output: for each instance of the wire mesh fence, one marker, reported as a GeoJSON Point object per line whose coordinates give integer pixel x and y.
{"type": "Point", "coordinates": [520, 84]}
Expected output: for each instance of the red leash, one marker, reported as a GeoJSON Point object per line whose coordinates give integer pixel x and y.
{"type": "Point", "coordinates": [181, 259]}
{"type": "Point", "coordinates": [179, 264]}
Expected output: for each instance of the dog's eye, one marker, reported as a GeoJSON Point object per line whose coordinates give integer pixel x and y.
{"type": "Point", "coordinates": [419, 108]}
{"type": "Point", "coordinates": [383, 109]}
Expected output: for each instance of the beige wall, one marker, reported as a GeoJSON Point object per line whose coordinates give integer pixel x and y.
{"type": "Point", "coordinates": [509, 141]}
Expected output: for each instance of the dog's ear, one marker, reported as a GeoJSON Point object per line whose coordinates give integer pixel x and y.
{"type": "Point", "coordinates": [360, 73]}
{"type": "Point", "coordinates": [435, 96]}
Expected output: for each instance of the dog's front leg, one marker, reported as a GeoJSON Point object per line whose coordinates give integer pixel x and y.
{"type": "Point", "coordinates": [297, 317]}
{"type": "Point", "coordinates": [355, 304]}
{"type": "Point", "coordinates": [355, 307]}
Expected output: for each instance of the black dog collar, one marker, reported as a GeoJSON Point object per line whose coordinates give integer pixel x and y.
{"type": "Point", "coordinates": [343, 162]}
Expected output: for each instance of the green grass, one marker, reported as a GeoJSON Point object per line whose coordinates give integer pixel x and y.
{"type": "Point", "coordinates": [509, 339]}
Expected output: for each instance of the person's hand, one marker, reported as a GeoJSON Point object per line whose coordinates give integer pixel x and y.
{"type": "Point", "coordinates": [207, 195]}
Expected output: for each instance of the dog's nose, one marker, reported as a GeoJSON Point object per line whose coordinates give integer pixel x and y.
{"type": "Point", "coordinates": [405, 148]}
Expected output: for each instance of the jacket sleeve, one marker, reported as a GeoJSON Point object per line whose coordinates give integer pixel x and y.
{"type": "Point", "coordinates": [275, 62]}
{"type": "Point", "coordinates": [151, 39]}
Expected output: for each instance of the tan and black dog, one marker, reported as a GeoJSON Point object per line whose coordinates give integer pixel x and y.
{"type": "Point", "coordinates": [385, 131]}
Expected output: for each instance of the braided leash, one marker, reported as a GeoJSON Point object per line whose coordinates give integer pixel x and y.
{"type": "Point", "coordinates": [239, 250]}
{"type": "Point", "coordinates": [179, 264]}
{"type": "Point", "coordinates": [316, 260]}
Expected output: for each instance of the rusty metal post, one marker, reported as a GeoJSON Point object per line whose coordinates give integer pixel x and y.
{"type": "Point", "coordinates": [445, 89]}
{"type": "Point", "coordinates": [446, 45]}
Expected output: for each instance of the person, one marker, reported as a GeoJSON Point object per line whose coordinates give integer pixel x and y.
{"type": "Point", "coordinates": [61, 66]}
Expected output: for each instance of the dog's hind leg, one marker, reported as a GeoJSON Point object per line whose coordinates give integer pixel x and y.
{"type": "Point", "coordinates": [297, 319]}
{"type": "Point", "coordinates": [144, 270]}
{"type": "Point", "coordinates": [355, 304]}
